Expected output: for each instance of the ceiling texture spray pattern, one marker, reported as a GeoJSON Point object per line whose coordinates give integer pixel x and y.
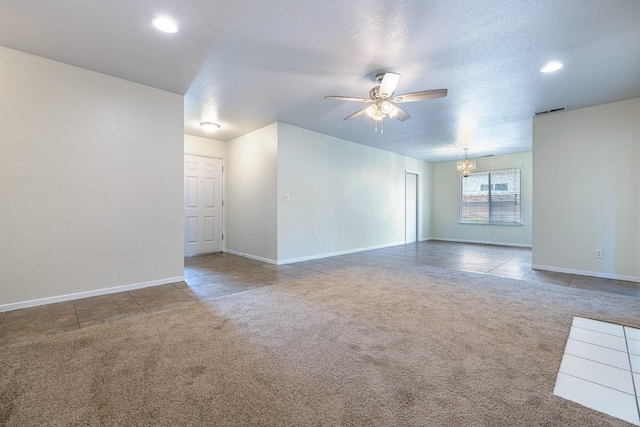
{"type": "Point", "coordinates": [247, 63]}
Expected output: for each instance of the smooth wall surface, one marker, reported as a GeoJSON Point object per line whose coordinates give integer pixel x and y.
{"type": "Point", "coordinates": [205, 146]}
{"type": "Point", "coordinates": [251, 182]}
{"type": "Point", "coordinates": [348, 195]}
{"type": "Point", "coordinates": [587, 190]}
{"type": "Point", "coordinates": [446, 203]}
{"type": "Point", "coordinates": [90, 181]}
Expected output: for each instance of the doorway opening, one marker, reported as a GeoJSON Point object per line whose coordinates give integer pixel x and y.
{"type": "Point", "coordinates": [411, 207]}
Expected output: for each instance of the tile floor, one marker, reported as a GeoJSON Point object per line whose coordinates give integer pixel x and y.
{"type": "Point", "coordinates": [216, 275]}
{"type": "Point", "coordinates": [600, 368]}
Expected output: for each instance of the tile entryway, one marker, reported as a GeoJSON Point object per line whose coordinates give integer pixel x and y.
{"type": "Point", "coordinates": [601, 368]}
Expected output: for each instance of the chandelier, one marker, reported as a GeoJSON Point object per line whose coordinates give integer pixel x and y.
{"type": "Point", "coordinates": [466, 166]}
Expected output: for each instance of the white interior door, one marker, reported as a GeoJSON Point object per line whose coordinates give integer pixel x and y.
{"type": "Point", "coordinates": [411, 207]}
{"type": "Point", "coordinates": [202, 204]}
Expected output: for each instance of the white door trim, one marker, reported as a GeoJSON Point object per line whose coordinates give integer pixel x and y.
{"type": "Point", "coordinates": [224, 193]}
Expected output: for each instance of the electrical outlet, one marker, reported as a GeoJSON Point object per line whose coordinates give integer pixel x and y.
{"type": "Point", "coordinates": [248, 240]}
{"type": "Point", "coordinates": [286, 197]}
{"type": "Point", "coordinates": [599, 253]}
{"type": "Point", "coordinates": [319, 240]}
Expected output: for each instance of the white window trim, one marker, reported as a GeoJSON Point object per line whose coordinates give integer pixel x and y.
{"type": "Point", "coordinates": [506, 224]}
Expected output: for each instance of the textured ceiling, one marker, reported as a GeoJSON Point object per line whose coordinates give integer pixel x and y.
{"type": "Point", "coordinates": [245, 64]}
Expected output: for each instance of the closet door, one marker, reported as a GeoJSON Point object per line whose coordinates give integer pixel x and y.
{"type": "Point", "coordinates": [202, 204]}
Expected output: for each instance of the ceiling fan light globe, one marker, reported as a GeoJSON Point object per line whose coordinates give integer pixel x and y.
{"type": "Point", "coordinates": [371, 111]}
{"type": "Point", "coordinates": [386, 107]}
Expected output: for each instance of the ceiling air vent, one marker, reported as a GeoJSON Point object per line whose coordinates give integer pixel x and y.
{"type": "Point", "coordinates": [553, 110]}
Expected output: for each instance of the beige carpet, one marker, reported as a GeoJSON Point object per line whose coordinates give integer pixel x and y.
{"type": "Point", "coordinates": [357, 347]}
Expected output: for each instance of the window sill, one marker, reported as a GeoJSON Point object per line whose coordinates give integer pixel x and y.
{"type": "Point", "coordinates": [493, 224]}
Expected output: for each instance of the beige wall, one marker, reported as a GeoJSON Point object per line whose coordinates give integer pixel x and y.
{"type": "Point", "coordinates": [349, 195]}
{"type": "Point", "coordinates": [205, 146]}
{"type": "Point", "coordinates": [446, 203]}
{"type": "Point", "coordinates": [251, 178]}
{"type": "Point", "coordinates": [587, 190]}
{"type": "Point", "coordinates": [90, 182]}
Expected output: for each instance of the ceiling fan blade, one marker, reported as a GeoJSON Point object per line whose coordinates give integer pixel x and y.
{"type": "Point", "coordinates": [401, 114]}
{"type": "Point", "coordinates": [421, 96]}
{"type": "Point", "coordinates": [388, 84]}
{"type": "Point", "coordinates": [356, 114]}
{"type": "Point", "coordinates": [349, 98]}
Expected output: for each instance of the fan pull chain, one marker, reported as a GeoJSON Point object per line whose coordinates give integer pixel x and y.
{"type": "Point", "coordinates": [382, 126]}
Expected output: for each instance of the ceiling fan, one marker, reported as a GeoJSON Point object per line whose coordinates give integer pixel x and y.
{"type": "Point", "coordinates": [382, 101]}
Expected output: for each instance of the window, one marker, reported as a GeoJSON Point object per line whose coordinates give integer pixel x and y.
{"type": "Point", "coordinates": [491, 197]}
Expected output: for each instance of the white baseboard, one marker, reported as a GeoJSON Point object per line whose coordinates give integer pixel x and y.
{"type": "Point", "coordinates": [312, 257]}
{"type": "Point", "coordinates": [86, 294]}
{"type": "Point", "coordinates": [369, 248]}
{"type": "Point", "coordinates": [331, 254]}
{"type": "Point", "coordinates": [257, 258]}
{"type": "Point", "coordinates": [482, 242]}
{"type": "Point", "coordinates": [587, 273]}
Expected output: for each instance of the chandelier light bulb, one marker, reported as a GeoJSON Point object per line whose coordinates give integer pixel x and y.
{"type": "Point", "coordinates": [466, 166]}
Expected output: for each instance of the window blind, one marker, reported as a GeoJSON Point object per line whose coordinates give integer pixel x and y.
{"type": "Point", "coordinates": [491, 197]}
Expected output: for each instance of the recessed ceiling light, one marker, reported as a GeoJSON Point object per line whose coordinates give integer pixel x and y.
{"type": "Point", "coordinates": [551, 67]}
{"type": "Point", "coordinates": [209, 126]}
{"type": "Point", "coordinates": [165, 24]}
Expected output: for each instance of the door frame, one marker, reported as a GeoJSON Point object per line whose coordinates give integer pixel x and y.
{"type": "Point", "coordinates": [418, 210]}
{"type": "Point", "coordinates": [224, 193]}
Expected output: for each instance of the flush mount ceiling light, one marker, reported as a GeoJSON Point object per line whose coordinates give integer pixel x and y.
{"type": "Point", "coordinates": [165, 24]}
{"type": "Point", "coordinates": [466, 166]}
{"type": "Point", "coordinates": [551, 67]}
{"type": "Point", "coordinates": [209, 126]}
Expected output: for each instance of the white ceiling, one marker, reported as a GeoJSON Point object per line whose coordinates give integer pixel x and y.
{"type": "Point", "coordinates": [247, 63]}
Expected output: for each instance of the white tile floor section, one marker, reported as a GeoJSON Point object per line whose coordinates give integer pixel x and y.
{"type": "Point", "coordinates": [601, 368]}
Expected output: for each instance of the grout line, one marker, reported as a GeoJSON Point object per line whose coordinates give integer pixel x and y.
{"type": "Point", "coordinates": [598, 345]}
{"type": "Point", "coordinates": [605, 364]}
{"type": "Point", "coordinates": [141, 307]}
{"type": "Point", "coordinates": [173, 284]}
{"type": "Point", "coordinates": [75, 310]}
{"type": "Point", "coordinates": [599, 332]}
{"type": "Point", "coordinates": [4, 313]}
{"type": "Point", "coordinates": [598, 384]}
{"type": "Point", "coordinates": [633, 382]}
